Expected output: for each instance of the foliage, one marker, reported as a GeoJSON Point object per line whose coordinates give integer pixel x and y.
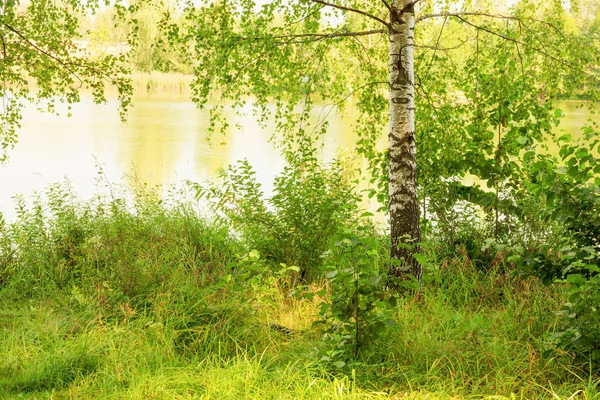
{"type": "Point", "coordinates": [579, 325]}
{"type": "Point", "coordinates": [195, 322]}
{"type": "Point", "coordinates": [571, 186]}
{"type": "Point", "coordinates": [121, 250]}
{"type": "Point", "coordinates": [360, 309]}
{"type": "Point", "coordinates": [42, 64]}
{"type": "Point", "coordinates": [311, 202]}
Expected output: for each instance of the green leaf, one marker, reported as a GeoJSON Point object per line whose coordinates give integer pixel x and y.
{"type": "Point", "coordinates": [421, 258]}
{"type": "Point", "coordinates": [375, 280]}
{"type": "Point", "coordinates": [254, 255]}
{"type": "Point", "coordinates": [331, 274]}
{"type": "Point", "coordinates": [576, 279]}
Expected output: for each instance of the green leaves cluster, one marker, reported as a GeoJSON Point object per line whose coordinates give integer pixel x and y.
{"type": "Point", "coordinates": [311, 202]}
{"type": "Point", "coordinates": [41, 63]}
{"type": "Point", "coordinates": [360, 309]}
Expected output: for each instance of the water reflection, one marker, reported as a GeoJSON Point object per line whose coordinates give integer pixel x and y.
{"type": "Point", "coordinates": [164, 140]}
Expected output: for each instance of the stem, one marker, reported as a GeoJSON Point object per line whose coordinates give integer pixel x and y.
{"type": "Point", "coordinates": [497, 183]}
{"type": "Point", "coordinates": [356, 276]}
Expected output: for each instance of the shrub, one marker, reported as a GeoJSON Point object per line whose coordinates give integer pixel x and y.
{"type": "Point", "coordinates": [312, 201]}
{"type": "Point", "coordinates": [360, 309]}
{"type": "Point", "coordinates": [579, 319]}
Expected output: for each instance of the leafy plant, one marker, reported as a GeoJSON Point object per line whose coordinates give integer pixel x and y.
{"type": "Point", "coordinates": [360, 309]}
{"type": "Point", "coordinates": [312, 202]}
{"type": "Point", "coordinates": [579, 318]}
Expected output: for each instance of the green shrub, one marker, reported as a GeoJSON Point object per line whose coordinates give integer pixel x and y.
{"type": "Point", "coordinates": [360, 309]}
{"type": "Point", "coordinates": [579, 319]}
{"type": "Point", "coordinates": [120, 247]}
{"type": "Point", "coordinates": [570, 186]}
{"type": "Point", "coordinates": [311, 203]}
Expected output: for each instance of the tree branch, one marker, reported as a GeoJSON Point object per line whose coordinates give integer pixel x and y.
{"type": "Point", "coordinates": [333, 34]}
{"type": "Point", "coordinates": [536, 49]}
{"type": "Point", "coordinates": [3, 45]}
{"type": "Point", "coordinates": [387, 5]}
{"type": "Point", "coordinates": [314, 37]}
{"type": "Point", "coordinates": [407, 6]}
{"type": "Point", "coordinates": [321, 121]}
{"type": "Point", "coordinates": [460, 16]}
{"type": "Point", "coordinates": [354, 10]}
{"type": "Point", "coordinates": [483, 14]}
{"type": "Point", "coordinates": [42, 51]}
{"type": "Point", "coordinates": [437, 47]}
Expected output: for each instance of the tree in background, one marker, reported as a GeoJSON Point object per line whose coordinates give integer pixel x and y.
{"type": "Point", "coordinates": [141, 35]}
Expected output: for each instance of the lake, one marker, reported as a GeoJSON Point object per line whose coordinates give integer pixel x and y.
{"type": "Point", "coordinates": [163, 142]}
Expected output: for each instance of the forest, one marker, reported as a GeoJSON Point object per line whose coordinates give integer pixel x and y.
{"type": "Point", "coordinates": [453, 251]}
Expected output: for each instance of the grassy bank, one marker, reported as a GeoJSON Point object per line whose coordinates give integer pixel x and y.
{"type": "Point", "coordinates": [161, 84]}
{"type": "Point", "coordinates": [100, 299]}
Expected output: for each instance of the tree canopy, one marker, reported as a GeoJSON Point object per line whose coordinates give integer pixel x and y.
{"type": "Point", "coordinates": [41, 63]}
{"type": "Point", "coordinates": [485, 85]}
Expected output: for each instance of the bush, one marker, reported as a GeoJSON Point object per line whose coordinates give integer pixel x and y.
{"type": "Point", "coordinates": [312, 202]}
{"type": "Point", "coordinates": [109, 246]}
{"type": "Point", "coordinates": [579, 319]}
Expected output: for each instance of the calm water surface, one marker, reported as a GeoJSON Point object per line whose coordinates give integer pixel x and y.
{"type": "Point", "coordinates": [163, 142]}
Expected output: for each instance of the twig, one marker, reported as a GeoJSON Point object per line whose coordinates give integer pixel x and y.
{"type": "Point", "coordinates": [502, 36]}
{"type": "Point", "coordinates": [354, 10]}
{"type": "Point", "coordinates": [315, 36]}
{"type": "Point", "coordinates": [387, 5]}
{"type": "Point", "coordinates": [46, 53]}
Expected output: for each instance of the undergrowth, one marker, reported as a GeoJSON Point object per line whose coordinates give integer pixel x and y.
{"type": "Point", "coordinates": [127, 296]}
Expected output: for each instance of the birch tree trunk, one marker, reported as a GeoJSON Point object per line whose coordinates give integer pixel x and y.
{"type": "Point", "coordinates": [404, 205]}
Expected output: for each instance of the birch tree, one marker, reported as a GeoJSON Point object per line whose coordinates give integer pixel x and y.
{"type": "Point", "coordinates": [302, 54]}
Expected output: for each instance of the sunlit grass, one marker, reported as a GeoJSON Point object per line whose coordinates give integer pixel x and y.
{"type": "Point", "coordinates": [104, 300]}
{"type": "Point", "coordinates": [159, 83]}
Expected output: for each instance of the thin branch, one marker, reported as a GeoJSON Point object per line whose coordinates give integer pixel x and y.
{"type": "Point", "coordinates": [354, 10]}
{"type": "Point", "coordinates": [315, 71]}
{"type": "Point", "coordinates": [42, 51]}
{"type": "Point", "coordinates": [483, 14]}
{"type": "Point", "coordinates": [429, 99]}
{"type": "Point", "coordinates": [305, 17]}
{"type": "Point", "coordinates": [387, 5]}
{"type": "Point", "coordinates": [459, 14]}
{"type": "Point", "coordinates": [500, 35]}
{"type": "Point", "coordinates": [333, 34]}
{"type": "Point", "coordinates": [437, 43]}
{"type": "Point", "coordinates": [334, 105]}
{"type": "Point", "coordinates": [407, 6]}
{"type": "Point", "coordinates": [520, 58]}
{"type": "Point", "coordinates": [3, 45]}
{"type": "Point", "coordinates": [313, 37]}
{"type": "Point", "coordinates": [366, 53]}
{"type": "Point", "coordinates": [436, 48]}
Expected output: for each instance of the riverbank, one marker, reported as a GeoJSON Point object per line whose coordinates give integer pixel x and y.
{"type": "Point", "coordinates": [103, 301]}
{"type": "Point", "coordinates": [161, 84]}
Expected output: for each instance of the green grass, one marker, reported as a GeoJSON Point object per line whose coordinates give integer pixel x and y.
{"type": "Point", "coordinates": [100, 300]}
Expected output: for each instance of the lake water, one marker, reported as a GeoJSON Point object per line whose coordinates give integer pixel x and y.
{"type": "Point", "coordinates": [163, 142]}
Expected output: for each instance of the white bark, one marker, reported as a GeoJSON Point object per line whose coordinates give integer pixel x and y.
{"type": "Point", "coordinates": [403, 206]}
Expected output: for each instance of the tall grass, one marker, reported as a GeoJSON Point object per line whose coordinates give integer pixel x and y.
{"type": "Point", "coordinates": [160, 83]}
{"type": "Point", "coordinates": [129, 296]}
